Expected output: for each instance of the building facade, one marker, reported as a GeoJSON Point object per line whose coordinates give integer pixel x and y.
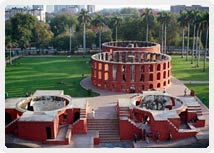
{"type": "Point", "coordinates": [39, 13]}
{"type": "Point", "coordinates": [178, 8]}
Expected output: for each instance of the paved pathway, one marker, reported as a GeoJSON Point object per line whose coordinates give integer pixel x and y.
{"type": "Point", "coordinates": [195, 82]}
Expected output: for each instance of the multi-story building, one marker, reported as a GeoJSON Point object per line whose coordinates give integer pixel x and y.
{"type": "Point", "coordinates": [38, 12]}
{"type": "Point", "coordinates": [178, 8]}
{"type": "Point", "coordinates": [91, 8]}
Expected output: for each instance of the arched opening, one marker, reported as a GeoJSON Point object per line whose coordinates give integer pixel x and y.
{"type": "Point", "coordinates": [142, 77]}
{"type": "Point", "coordinates": [150, 77]}
{"type": "Point", "coordinates": [8, 118]}
{"type": "Point", "coordinates": [164, 74]}
{"type": "Point", "coordinates": [76, 116]}
{"type": "Point", "coordinates": [151, 86]}
{"type": "Point", "coordinates": [164, 66]}
{"type": "Point", "coordinates": [158, 67]}
{"type": "Point", "coordinates": [158, 86]}
{"type": "Point", "coordinates": [151, 68]}
{"type": "Point", "coordinates": [158, 76]}
{"type": "Point", "coordinates": [164, 83]}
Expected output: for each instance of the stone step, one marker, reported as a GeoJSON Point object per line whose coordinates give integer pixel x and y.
{"type": "Point", "coordinates": [108, 136]}
{"type": "Point", "coordinates": [92, 128]}
{"type": "Point", "coordinates": [109, 140]}
{"type": "Point", "coordinates": [124, 108]}
{"type": "Point", "coordinates": [103, 123]}
{"type": "Point", "coordinates": [102, 120]}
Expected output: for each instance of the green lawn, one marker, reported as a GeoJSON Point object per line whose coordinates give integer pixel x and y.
{"type": "Point", "coordinates": [202, 92]}
{"type": "Point", "coordinates": [51, 73]}
{"type": "Point", "coordinates": [33, 73]}
{"type": "Point", "coordinates": [184, 70]}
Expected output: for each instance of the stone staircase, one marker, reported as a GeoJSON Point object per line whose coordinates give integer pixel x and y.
{"type": "Point", "coordinates": [82, 113]}
{"type": "Point", "coordinates": [108, 129]}
{"type": "Point", "coordinates": [124, 112]}
{"type": "Point", "coordinates": [195, 108]}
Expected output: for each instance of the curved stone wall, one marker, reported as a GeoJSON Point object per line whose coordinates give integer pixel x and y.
{"type": "Point", "coordinates": [131, 46]}
{"type": "Point", "coordinates": [127, 71]}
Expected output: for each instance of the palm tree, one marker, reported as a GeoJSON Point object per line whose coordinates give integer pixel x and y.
{"type": "Point", "coordinates": [116, 21]}
{"type": "Point", "coordinates": [206, 23]}
{"type": "Point", "coordinates": [83, 19]}
{"type": "Point", "coordinates": [194, 12]}
{"type": "Point", "coordinates": [148, 17]}
{"type": "Point", "coordinates": [166, 21]}
{"type": "Point", "coordinates": [160, 19]}
{"type": "Point", "coordinates": [182, 21]}
{"type": "Point", "coordinates": [99, 22]}
{"type": "Point", "coordinates": [198, 25]}
{"type": "Point", "coordinates": [189, 18]}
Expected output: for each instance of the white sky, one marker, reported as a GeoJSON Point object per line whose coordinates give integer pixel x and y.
{"type": "Point", "coordinates": [160, 7]}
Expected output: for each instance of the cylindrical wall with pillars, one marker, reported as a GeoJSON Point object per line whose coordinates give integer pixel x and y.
{"type": "Point", "coordinates": [131, 46]}
{"type": "Point", "coordinates": [131, 69]}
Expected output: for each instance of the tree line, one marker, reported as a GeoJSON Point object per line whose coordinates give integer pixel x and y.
{"type": "Point", "coordinates": [187, 30]}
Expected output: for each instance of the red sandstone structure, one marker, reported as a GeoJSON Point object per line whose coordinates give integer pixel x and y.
{"type": "Point", "coordinates": [51, 117]}
{"type": "Point", "coordinates": [131, 66]}
{"type": "Point", "coordinates": [43, 115]}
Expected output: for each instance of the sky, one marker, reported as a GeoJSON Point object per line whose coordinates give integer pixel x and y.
{"type": "Point", "coordinates": [160, 7]}
{"type": "Point", "coordinates": [100, 7]}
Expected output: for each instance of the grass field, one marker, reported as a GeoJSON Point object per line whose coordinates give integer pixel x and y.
{"type": "Point", "coordinates": [184, 70]}
{"type": "Point", "coordinates": [56, 73]}
{"type": "Point", "coordinates": [62, 73]}
{"type": "Point", "coordinates": [202, 92]}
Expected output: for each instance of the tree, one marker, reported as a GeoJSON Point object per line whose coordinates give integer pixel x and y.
{"type": "Point", "coordinates": [10, 45]}
{"type": "Point", "coordinates": [61, 42]}
{"type": "Point", "coordinates": [182, 21]}
{"type": "Point", "coordinates": [189, 19]}
{"type": "Point", "coordinates": [194, 12]}
{"type": "Point", "coordinates": [206, 24]}
{"type": "Point", "coordinates": [99, 23]}
{"type": "Point", "coordinates": [116, 21]}
{"type": "Point", "coordinates": [198, 25]}
{"type": "Point", "coordinates": [160, 18]}
{"type": "Point", "coordinates": [83, 19]}
{"type": "Point", "coordinates": [22, 26]}
{"type": "Point", "coordinates": [149, 19]}
{"type": "Point", "coordinates": [62, 23]}
{"type": "Point", "coordinates": [166, 22]}
{"type": "Point", "coordinates": [43, 35]}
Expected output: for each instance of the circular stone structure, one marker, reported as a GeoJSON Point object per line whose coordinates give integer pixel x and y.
{"type": "Point", "coordinates": [43, 103]}
{"type": "Point", "coordinates": [131, 71]}
{"type": "Point", "coordinates": [157, 102]}
{"type": "Point", "coordinates": [131, 46]}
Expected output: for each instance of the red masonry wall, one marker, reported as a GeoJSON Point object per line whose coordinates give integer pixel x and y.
{"type": "Point", "coordinates": [35, 130]}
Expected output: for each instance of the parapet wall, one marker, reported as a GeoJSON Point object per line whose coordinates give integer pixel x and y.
{"type": "Point", "coordinates": [131, 46]}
